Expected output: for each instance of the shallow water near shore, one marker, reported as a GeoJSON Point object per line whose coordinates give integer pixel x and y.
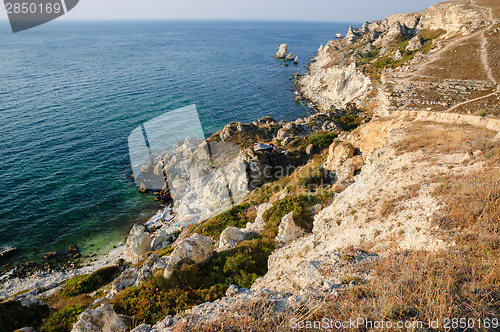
{"type": "Point", "coordinates": [71, 92]}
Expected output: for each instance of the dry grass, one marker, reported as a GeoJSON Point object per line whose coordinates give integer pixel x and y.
{"type": "Point", "coordinates": [390, 206]}
{"type": "Point", "coordinates": [493, 47]}
{"type": "Point", "coordinates": [462, 62]}
{"type": "Point", "coordinates": [493, 4]}
{"type": "Point", "coordinates": [442, 138]}
{"type": "Point", "coordinates": [489, 106]}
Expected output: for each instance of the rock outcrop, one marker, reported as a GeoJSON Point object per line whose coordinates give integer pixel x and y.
{"type": "Point", "coordinates": [102, 319]}
{"type": "Point", "coordinates": [331, 86]}
{"type": "Point", "coordinates": [196, 249]}
{"type": "Point", "coordinates": [282, 52]}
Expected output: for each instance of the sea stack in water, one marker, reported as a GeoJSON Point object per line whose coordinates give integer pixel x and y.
{"type": "Point", "coordinates": [282, 52]}
{"type": "Point", "coordinates": [296, 61]}
{"type": "Point", "coordinates": [289, 57]}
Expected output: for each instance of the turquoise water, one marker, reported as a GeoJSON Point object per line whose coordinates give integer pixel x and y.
{"type": "Point", "coordinates": [71, 93]}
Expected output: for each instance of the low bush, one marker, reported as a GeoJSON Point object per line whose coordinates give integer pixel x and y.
{"type": "Point", "coordinates": [193, 283]}
{"type": "Point", "coordinates": [88, 283]}
{"type": "Point", "coordinates": [300, 207]}
{"type": "Point", "coordinates": [235, 217]}
{"type": "Point", "coordinates": [321, 141]}
{"type": "Point", "coordinates": [13, 315]}
{"type": "Point", "coordinates": [350, 120]}
{"type": "Point", "coordinates": [62, 321]}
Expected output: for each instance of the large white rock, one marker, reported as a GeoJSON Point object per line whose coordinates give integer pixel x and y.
{"type": "Point", "coordinates": [230, 237]}
{"type": "Point", "coordinates": [332, 86]}
{"type": "Point", "coordinates": [338, 154]}
{"type": "Point", "coordinates": [138, 240]}
{"type": "Point", "coordinates": [102, 319]}
{"type": "Point", "coordinates": [288, 231]}
{"type": "Point", "coordinates": [415, 43]}
{"type": "Point", "coordinates": [197, 248]}
{"type": "Point", "coordinates": [282, 52]}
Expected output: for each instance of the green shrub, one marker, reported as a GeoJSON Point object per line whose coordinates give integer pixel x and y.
{"type": "Point", "coordinates": [63, 320]}
{"type": "Point", "coordinates": [298, 204]}
{"type": "Point", "coordinates": [314, 177]}
{"type": "Point", "coordinates": [13, 315]}
{"type": "Point", "coordinates": [193, 283]}
{"type": "Point", "coordinates": [350, 121]}
{"type": "Point", "coordinates": [235, 217]}
{"type": "Point", "coordinates": [321, 141]}
{"type": "Point", "coordinates": [88, 283]}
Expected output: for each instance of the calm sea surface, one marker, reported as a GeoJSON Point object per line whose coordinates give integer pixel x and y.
{"type": "Point", "coordinates": [71, 92]}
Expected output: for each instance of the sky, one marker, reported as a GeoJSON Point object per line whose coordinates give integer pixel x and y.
{"type": "Point", "coordinates": [293, 10]}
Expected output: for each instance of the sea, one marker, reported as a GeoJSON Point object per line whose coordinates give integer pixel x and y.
{"type": "Point", "coordinates": [72, 92]}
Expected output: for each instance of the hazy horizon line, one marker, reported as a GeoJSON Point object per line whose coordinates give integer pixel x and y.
{"type": "Point", "coordinates": [195, 19]}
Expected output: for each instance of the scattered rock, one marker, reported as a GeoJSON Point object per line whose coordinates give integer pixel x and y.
{"type": "Point", "coordinates": [338, 154]}
{"type": "Point", "coordinates": [415, 43]}
{"type": "Point", "coordinates": [49, 255]}
{"type": "Point", "coordinates": [282, 52]}
{"type": "Point", "coordinates": [232, 290]}
{"type": "Point", "coordinates": [142, 328]}
{"type": "Point", "coordinates": [289, 57]}
{"type": "Point", "coordinates": [7, 253]}
{"type": "Point", "coordinates": [102, 319]}
{"type": "Point", "coordinates": [398, 55]}
{"type": "Point", "coordinates": [358, 162]}
{"type": "Point", "coordinates": [296, 61]}
{"type": "Point", "coordinates": [73, 249]}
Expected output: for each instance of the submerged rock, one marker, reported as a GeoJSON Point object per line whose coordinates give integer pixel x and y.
{"type": "Point", "coordinates": [7, 253]}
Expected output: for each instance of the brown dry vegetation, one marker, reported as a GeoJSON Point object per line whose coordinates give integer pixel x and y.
{"type": "Point", "coordinates": [493, 4]}
{"type": "Point", "coordinates": [442, 138]}
{"type": "Point", "coordinates": [493, 47]}
{"type": "Point", "coordinates": [489, 106]}
{"type": "Point", "coordinates": [461, 62]}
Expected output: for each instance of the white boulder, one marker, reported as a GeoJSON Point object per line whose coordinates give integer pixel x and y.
{"type": "Point", "coordinates": [197, 248]}
{"type": "Point", "coordinates": [138, 240]}
{"type": "Point", "coordinates": [258, 225]}
{"type": "Point", "coordinates": [288, 231]}
{"type": "Point", "coordinates": [230, 237]}
{"type": "Point", "coordinates": [102, 319]}
{"type": "Point", "coordinates": [338, 154]}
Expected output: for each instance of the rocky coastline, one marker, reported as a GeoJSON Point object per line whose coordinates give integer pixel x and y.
{"type": "Point", "coordinates": [340, 218]}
